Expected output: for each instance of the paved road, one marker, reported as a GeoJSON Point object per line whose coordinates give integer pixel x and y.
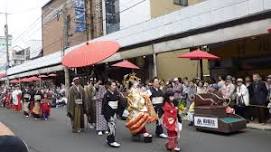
{"type": "Point", "coordinates": [55, 135]}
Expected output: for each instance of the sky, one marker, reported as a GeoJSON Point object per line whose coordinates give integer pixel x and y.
{"type": "Point", "coordinates": [24, 19]}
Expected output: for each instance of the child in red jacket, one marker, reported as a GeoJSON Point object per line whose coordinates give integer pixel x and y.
{"type": "Point", "coordinates": [172, 122]}
{"type": "Point", "coordinates": [45, 107]}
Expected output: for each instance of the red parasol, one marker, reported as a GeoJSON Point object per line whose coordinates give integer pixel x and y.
{"type": "Point", "coordinates": [52, 75]}
{"type": "Point", "coordinates": [199, 55]}
{"type": "Point", "coordinates": [43, 76]}
{"type": "Point", "coordinates": [2, 75]}
{"type": "Point", "coordinates": [15, 81]}
{"type": "Point", "coordinates": [26, 79]}
{"type": "Point", "coordinates": [90, 54]}
{"type": "Point", "coordinates": [34, 78]}
{"type": "Point", "coordinates": [125, 64]}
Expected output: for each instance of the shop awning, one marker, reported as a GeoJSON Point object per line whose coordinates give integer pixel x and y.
{"type": "Point", "coordinates": [125, 64]}
{"type": "Point", "coordinates": [38, 71]}
{"type": "Point", "coordinates": [90, 53]}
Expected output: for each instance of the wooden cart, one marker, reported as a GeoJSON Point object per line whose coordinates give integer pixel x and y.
{"type": "Point", "coordinates": [210, 115]}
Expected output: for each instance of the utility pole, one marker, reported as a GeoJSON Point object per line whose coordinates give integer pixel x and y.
{"type": "Point", "coordinates": [7, 42]}
{"type": "Point", "coordinates": [88, 15]}
{"type": "Point", "coordinates": [65, 46]}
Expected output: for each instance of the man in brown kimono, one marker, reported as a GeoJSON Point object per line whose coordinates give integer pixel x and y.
{"type": "Point", "coordinates": [90, 105]}
{"type": "Point", "coordinates": [75, 106]}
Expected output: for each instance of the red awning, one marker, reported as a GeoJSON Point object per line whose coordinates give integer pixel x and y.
{"type": "Point", "coordinates": [90, 54]}
{"type": "Point", "coordinates": [43, 76]}
{"type": "Point", "coordinates": [125, 64]}
{"type": "Point", "coordinates": [52, 75]}
{"type": "Point", "coordinates": [198, 55]}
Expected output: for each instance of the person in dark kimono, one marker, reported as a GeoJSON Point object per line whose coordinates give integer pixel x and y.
{"type": "Point", "coordinates": [90, 107]}
{"type": "Point", "coordinates": [75, 106]}
{"type": "Point", "coordinates": [26, 102]}
{"type": "Point", "coordinates": [259, 98]}
{"type": "Point", "coordinates": [157, 98]}
{"type": "Point", "coordinates": [36, 111]}
{"type": "Point", "coordinates": [110, 107]}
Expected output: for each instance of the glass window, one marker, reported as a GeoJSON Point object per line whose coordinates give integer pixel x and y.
{"type": "Point", "coordinates": [181, 2]}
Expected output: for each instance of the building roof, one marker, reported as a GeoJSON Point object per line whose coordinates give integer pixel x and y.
{"type": "Point", "coordinates": [50, 1]}
{"type": "Point", "coordinates": [205, 14]}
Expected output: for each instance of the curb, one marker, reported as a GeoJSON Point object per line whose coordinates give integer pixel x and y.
{"type": "Point", "coordinates": [259, 127]}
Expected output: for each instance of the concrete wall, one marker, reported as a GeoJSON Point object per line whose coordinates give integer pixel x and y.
{"type": "Point", "coordinates": [162, 7]}
{"type": "Point", "coordinates": [133, 12]}
{"type": "Point", "coordinates": [201, 15]}
{"type": "Point", "coordinates": [169, 66]}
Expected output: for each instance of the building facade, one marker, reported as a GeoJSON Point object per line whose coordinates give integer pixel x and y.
{"type": "Point", "coordinates": [237, 31]}
{"type": "Point", "coordinates": [101, 17]}
{"type": "Point", "coordinates": [138, 11]}
{"type": "Point", "coordinates": [62, 25]}
{"type": "Point", "coordinates": [19, 56]}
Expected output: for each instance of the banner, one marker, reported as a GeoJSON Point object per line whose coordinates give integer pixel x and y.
{"type": "Point", "coordinates": [80, 16]}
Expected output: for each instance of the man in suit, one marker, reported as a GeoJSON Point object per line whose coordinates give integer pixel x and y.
{"type": "Point", "coordinates": [259, 94]}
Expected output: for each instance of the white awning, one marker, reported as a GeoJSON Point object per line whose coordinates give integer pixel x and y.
{"type": "Point", "coordinates": [48, 60]}
{"type": "Point", "coordinates": [40, 71]}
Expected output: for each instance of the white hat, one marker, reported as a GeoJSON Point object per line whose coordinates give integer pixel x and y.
{"type": "Point", "coordinates": [75, 78]}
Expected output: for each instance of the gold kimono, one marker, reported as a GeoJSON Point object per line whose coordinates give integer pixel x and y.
{"type": "Point", "coordinates": [140, 110]}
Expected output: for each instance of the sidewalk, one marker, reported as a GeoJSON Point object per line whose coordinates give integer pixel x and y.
{"type": "Point", "coordinates": [254, 125]}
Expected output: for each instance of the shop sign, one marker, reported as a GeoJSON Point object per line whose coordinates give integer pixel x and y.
{"type": "Point", "coordinates": [207, 122]}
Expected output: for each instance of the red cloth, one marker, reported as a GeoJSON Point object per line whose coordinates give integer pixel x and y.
{"type": "Point", "coordinates": [45, 106]}
{"type": "Point", "coordinates": [19, 106]}
{"type": "Point", "coordinates": [8, 100]}
{"type": "Point", "coordinates": [172, 140]}
{"type": "Point", "coordinates": [170, 116]}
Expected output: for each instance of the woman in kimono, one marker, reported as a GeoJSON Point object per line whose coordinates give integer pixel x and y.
{"type": "Point", "coordinates": [101, 124]}
{"type": "Point", "coordinates": [36, 111]}
{"type": "Point", "coordinates": [26, 103]}
{"type": "Point", "coordinates": [140, 109]}
{"type": "Point", "coordinates": [16, 99]}
{"type": "Point", "coordinates": [110, 108]}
